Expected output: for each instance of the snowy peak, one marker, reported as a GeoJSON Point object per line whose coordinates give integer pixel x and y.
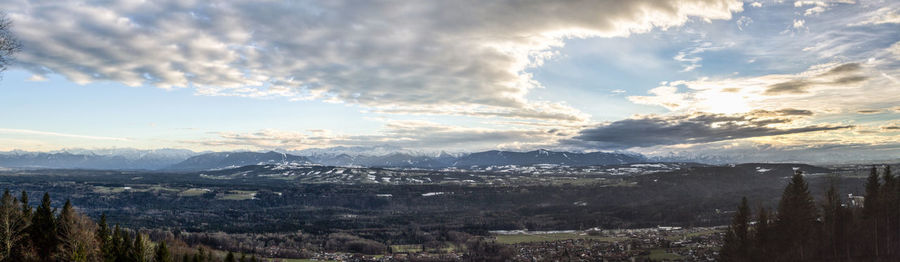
{"type": "Point", "coordinates": [542, 156]}
{"type": "Point", "coordinates": [237, 159]}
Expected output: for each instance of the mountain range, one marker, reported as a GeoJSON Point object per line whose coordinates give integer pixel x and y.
{"type": "Point", "coordinates": [218, 160]}
{"type": "Point", "coordinates": [119, 159]}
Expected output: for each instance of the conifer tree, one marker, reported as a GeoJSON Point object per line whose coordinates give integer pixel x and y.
{"type": "Point", "coordinates": [43, 230]}
{"type": "Point", "coordinates": [105, 238]}
{"type": "Point", "coordinates": [201, 255]}
{"type": "Point", "coordinates": [832, 221]}
{"type": "Point", "coordinates": [26, 208]}
{"type": "Point", "coordinates": [162, 253]}
{"type": "Point", "coordinates": [796, 220]}
{"type": "Point", "coordinates": [873, 188]}
{"type": "Point", "coordinates": [137, 250]}
{"type": "Point", "coordinates": [737, 241]}
{"type": "Point", "coordinates": [115, 245]}
{"type": "Point", "coordinates": [763, 235]}
{"type": "Point", "coordinates": [229, 257]}
{"type": "Point", "coordinates": [65, 217]}
{"type": "Point", "coordinates": [871, 208]}
{"type": "Point", "coordinates": [889, 211]}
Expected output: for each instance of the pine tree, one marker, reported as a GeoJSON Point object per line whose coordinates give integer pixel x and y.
{"type": "Point", "coordinates": [796, 220]}
{"type": "Point", "coordinates": [65, 217]}
{"type": "Point", "coordinates": [873, 188]}
{"type": "Point", "coordinates": [162, 253]}
{"type": "Point", "coordinates": [872, 206]}
{"type": "Point", "coordinates": [26, 208]}
{"type": "Point", "coordinates": [831, 218]}
{"type": "Point", "coordinates": [763, 235]}
{"type": "Point", "coordinates": [889, 211]}
{"type": "Point", "coordinates": [105, 238]}
{"type": "Point", "coordinates": [201, 255]}
{"type": "Point", "coordinates": [137, 250]}
{"type": "Point", "coordinates": [115, 243]}
{"type": "Point", "coordinates": [43, 230]}
{"type": "Point", "coordinates": [229, 257]}
{"type": "Point", "coordinates": [737, 240]}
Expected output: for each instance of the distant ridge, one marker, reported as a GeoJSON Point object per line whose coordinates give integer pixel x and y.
{"type": "Point", "coordinates": [482, 159]}
{"type": "Point", "coordinates": [175, 160]}
{"type": "Point", "coordinates": [81, 159]}
{"type": "Point", "coordinates": [221, 160]}
{"type": "Point", "coordinates": [496, 158]}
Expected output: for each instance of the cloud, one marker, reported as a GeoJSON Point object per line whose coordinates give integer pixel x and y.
{"type": "Point", "coordinates": [885, 15]}
{"type": "Point", "coordinates": [837, 76]}
{"type": "Point", "coordinates": [830, 87]}
{"type": "Point", "coordinates": [895, 50]}
{"type": "Point", "coordinates": [36, 78]}
{"type": "Point", "coordinates": [819, 6]}
{"type": "Point", "coordinates": [868, 111]}
{"type": "Point", "coordinates": [823, 152]}
{"type": "Point", "coordinates": [743, 21]}
{"type": "Point", "coordinates": [46, 133]}
{"type": "Point", "coordinates": [648, 131]}
{"type": "Point", "coordinates": [799, 23]}
{"type": "Point", "coordinates": [467, 54]}
{"type": "Point", "coordinates": [690, 56]}
{"type": "Point", "coordinates": [409, 134]}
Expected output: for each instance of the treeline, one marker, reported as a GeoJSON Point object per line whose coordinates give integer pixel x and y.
{"type": "Point", "coordinates": [46, 234]}
{"type": "Point", "coordinates": [859, 229]}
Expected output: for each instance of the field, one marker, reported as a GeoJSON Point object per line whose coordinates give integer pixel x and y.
{"type": "Point", "coordinates": [661, 254]}
{"type": "Point", "coordinates": [532, 238]}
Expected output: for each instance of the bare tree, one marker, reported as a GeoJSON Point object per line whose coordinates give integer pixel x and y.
{"type": "Point", "coordinates": [12, 226]}
{"type": "Point", "coordinates": [9, 45]}
{"type": "Point", "coordinates": [77, 235]}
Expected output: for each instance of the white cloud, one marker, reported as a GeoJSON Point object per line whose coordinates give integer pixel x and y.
{"type": "Point", "coordinates": [690, 56]}
{"type": "Point", "coordinates": [827, 88]}
{"type": "Point", "coordinates": [409, 134]}
{"type": "Point", "coordinates": [467, 54]}
{"type": "Point", "coordinates": [36, 78]}
{"type": "Point", "coordinates": [885, 15]}
{"type": "Point", "coordinates": [819, 6]}
{"type": "Point", "coordinates": [743, 21]}
{"type": "Point", "coordinates": [799, 23]}
{"type": "Point", "coordinates": [56, 134]}
{"type": "Point", "coordinates": [895, 50]}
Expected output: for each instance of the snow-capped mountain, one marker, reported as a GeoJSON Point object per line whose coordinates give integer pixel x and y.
{"type": "Point", "coordinates": [495, 158]}
{"type": "Point", "coordinates": [119, 159]}
{"type": "Point", "coordinates": [221, 160]}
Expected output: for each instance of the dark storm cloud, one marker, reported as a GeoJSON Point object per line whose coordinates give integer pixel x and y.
{"type": "Point", "coordinates": [694, 129]}
{"type": "Point", "coordinates": [841, 75]}
{"type": "Point", "coordinates": [845, 68]}
{"type": "Point", "coordinates": [789, 87]}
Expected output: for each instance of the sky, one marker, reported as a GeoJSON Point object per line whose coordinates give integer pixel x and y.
{"type": "Point", "coordinates": [748, 80]}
